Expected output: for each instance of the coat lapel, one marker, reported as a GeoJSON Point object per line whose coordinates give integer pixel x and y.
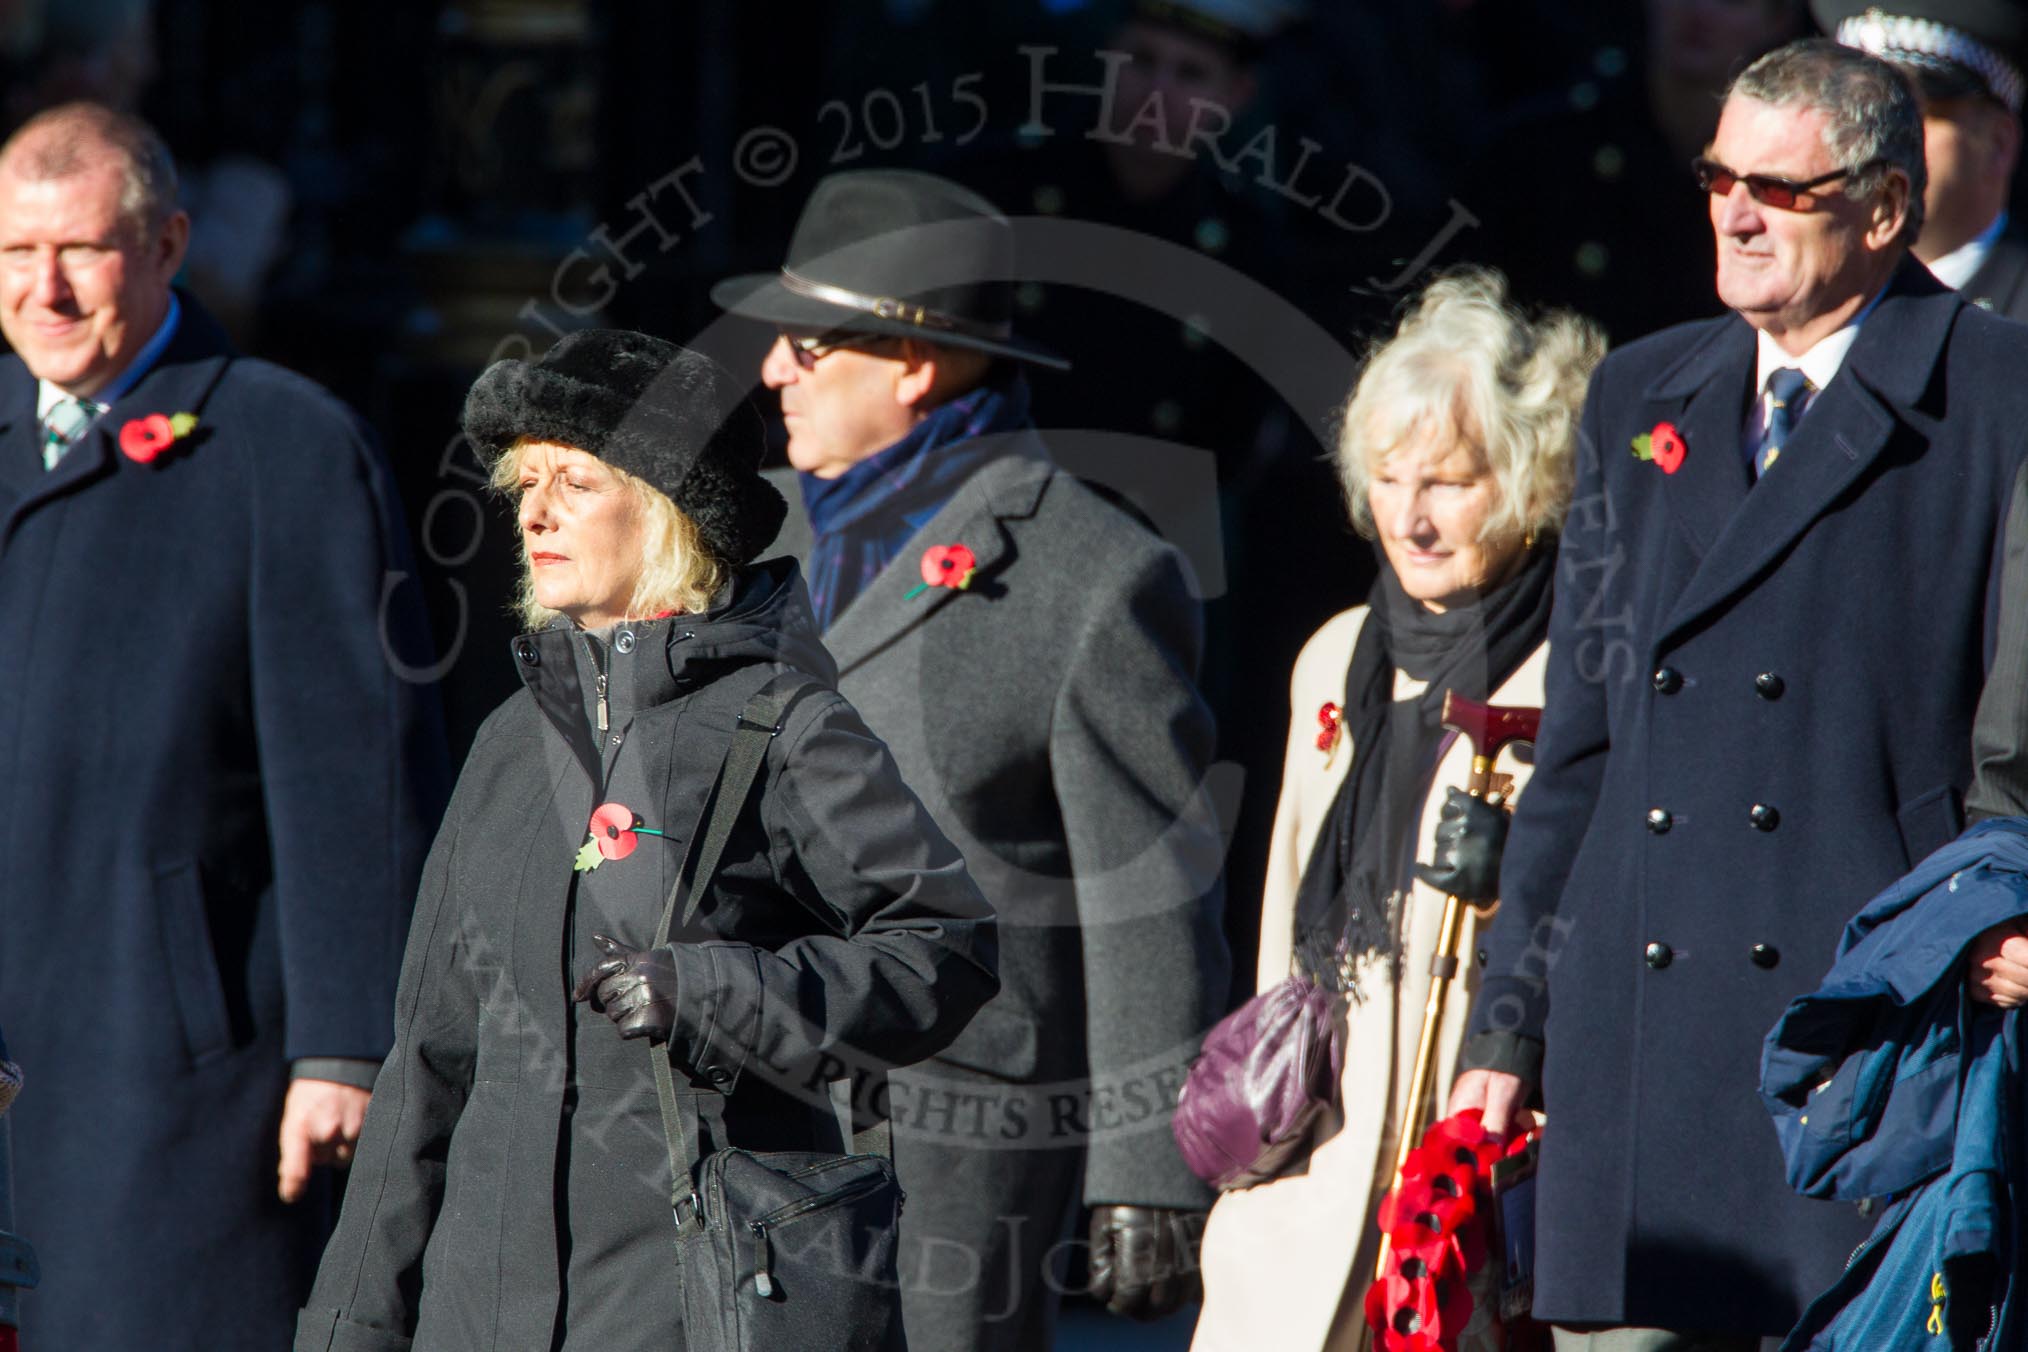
{"type": "Point", "coordinates": [1998, 283]}
{"type": "Point", "coordinates": [20, 435]}
{"type": "Point", "coordinates": [1843, 432]}
{"type": "Point", "coordinates": [1007, 486]}
{"type": "Point", "coordinates": [1705, 395]}
{"type": "Point", "coordinates": [180, 381]}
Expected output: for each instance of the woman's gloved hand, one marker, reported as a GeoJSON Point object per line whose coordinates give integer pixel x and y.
{"type": "Point", "coordinates": [635, 988]}
{"type": "Point", "coordinates": [1471, 834]}
{"type": "Point", "coordinates": [1144, 1259]}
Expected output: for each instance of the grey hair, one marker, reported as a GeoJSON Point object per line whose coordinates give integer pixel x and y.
{"type": "Point", "coordinates": [1871, 115]}
{"type": "Point", "coordinates": [66, 139]}
{"type": "Point", "coordinates": [1466, 361]}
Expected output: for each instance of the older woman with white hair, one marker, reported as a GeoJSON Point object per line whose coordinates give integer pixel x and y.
{"type": "Point", "coordinates": [1457, 457]}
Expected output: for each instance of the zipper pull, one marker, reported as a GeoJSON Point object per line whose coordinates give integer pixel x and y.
{"type": "Point", "coordinates": [763, 1285]}
{"type": "Point", "coordinates": [602, 702]}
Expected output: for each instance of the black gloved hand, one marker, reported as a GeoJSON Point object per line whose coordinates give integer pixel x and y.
{"type": "Point", "coordinates": [1144, 1259]}
{"type": "Point", "coordinates": [635, 988]}
{"type": "Point", "coordinates": [1471, 834]}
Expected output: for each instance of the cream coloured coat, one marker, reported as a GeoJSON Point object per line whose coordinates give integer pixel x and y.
{"type": "Point", "coordinates": [1287, 1264]}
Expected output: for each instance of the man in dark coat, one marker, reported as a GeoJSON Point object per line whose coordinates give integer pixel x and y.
{"type": "Point", "coordinates": [1964, 58]}
{"type": "Point", "coordinates": [1772, 609]}
{"type": "Point", "coordinates": [1029, 653]}
{"type": "Point", "coordinates": [219, 786]}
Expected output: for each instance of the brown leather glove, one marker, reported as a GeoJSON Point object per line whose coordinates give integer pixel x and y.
{"type": "Point", "coordinates": [635, 988]}
{"type": "Point", "coordinates": [1144, 1259]}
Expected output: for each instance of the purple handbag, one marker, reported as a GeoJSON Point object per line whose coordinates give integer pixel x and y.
{"type": "Point", "coordinates": [1268, 1071]}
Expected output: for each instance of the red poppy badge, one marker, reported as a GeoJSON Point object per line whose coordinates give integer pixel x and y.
{"type": "Point", "coordinates": [1665, 446]}
{"type": "Point", "coordinates": [142, 439]}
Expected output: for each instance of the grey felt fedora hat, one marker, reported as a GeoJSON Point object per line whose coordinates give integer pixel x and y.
{"type": "Point", "coordinates": [894, 252]}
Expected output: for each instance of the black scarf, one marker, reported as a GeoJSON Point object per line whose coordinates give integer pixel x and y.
{"type": "Point", "coordinates": [1345, 906]}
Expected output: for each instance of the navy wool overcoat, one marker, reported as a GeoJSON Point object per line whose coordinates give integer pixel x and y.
{"type": "Point", "coordinates": [216, 791]}
{"type": "Point", "coordinates": [1759, 710]}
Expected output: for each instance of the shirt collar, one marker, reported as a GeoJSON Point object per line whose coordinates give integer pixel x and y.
{"type": "Point", "coordinates": [1821, 362]}
{"type": "Point", "coordinates": [48, 396]}
{"type": "Point", "coordinates": [1961, 264]}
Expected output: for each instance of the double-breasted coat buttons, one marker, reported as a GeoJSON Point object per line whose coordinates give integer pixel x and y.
{"type": "Point", "coordinates": [1764, 816]}
{"type": "Point", "coordinates": [1769, 686]}
{"type": "Point", "coordinates": [1659, 820]}
{"type": "Point", "coordinates": [1659, 955]}
{"type": "Point", "coordinates": [1765, 955]}
{"type": "Point", "coordinates": [1667, 680]}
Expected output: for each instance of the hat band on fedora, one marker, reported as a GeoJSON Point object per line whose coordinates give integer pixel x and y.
{"type": "Point", "coordinates": [887, 307]}
{"type": "Point", "coordinates": [1924, 42]}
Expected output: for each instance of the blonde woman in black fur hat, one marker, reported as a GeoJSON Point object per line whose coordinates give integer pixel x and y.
{"type": "Point", "coordinates": [513, 1185]}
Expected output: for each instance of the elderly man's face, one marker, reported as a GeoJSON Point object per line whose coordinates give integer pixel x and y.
{"type": "Point", "coordinates": [843, 407]}
{"type": "Point", "coordinates": [1785, 270]}
{"type": "Point", "coordinates": [82, 286]}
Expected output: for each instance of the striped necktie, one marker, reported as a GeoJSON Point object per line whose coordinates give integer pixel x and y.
{"type": "Point", "coordinates": [1787, 388]}
{"type": "Point", "coordinates": [67, 421]}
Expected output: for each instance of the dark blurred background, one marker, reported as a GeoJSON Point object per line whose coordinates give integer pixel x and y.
{"type": "Point", "coordinates": [388, 195]}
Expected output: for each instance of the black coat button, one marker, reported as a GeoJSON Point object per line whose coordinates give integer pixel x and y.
{"type": "Point", "coordinates": [1483, 956]}
{"type": "Point", "coordinates": [1769, 686]}
{"type": "Point", "coordinates": [1660, 956]}
{"type": "Point", "coordinates": [525, 650]}
{"type": "Point", "coordinates": [1659, 820]}
{"type": "Point", "coordinates": [1667, 680]}
{"type": "Point", "coordinates": [1765, 955]}
{"type": "Point", "coordinates": [1764, 817]}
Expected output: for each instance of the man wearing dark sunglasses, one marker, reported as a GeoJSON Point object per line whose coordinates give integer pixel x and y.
{"type": "Point", "coordinates": [1039, 694]}
{"type": "Point", "coordinates": [1775, 587]}
{"type": "Point", "coordinates": [1966, 60]}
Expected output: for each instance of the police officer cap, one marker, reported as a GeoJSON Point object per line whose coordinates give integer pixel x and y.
{"type": "Point", "coordinates": [1950, 47]}
{"type": "Point", "coordinates": [1242, 25]}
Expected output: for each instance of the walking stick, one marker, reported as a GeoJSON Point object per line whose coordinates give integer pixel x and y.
{"type": "Point", "coordinates": [1490, 729]}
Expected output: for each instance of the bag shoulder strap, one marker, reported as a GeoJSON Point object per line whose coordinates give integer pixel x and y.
{"type": "Point", "coordinates": [759, 723]}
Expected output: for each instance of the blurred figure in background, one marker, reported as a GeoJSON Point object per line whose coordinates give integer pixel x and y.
{"type": "Point", "coordinates": [220, 789]}
{"type": "Point", "coordinates": [1964, 58]}
{"type": "Point", "coordinates": [1590, 204]}
{"type": "Point", "coordinates": [1029, 653]}
{"type": "Point", "coordinates": [1457, 458]}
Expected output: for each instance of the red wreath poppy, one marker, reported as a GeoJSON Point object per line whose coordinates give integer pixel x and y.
{"type": "Point", "coordinates": [1331, 720]}
{"type": "Point", "coordinates": [612, 830]}
{"type": "Point", "coordinates": [1668, 447]}
{"type": "Point", "coordinates": [142, 439]}
{"type": "Point", "coordinates": [1422, 1313]}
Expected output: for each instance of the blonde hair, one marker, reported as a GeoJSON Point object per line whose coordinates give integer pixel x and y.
{"type": "Point", "coordinates": [679, 572]}
{"type": "Point", "coordinates": [1467, 362]}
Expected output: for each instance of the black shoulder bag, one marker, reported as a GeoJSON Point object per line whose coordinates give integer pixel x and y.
{"type": "Point", "coordinates": [781, 1249]}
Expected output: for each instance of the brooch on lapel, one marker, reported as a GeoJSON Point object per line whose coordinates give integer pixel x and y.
{"type": "Point", "coordinates": [945, 566]}
{"type": "Point", "coordinates": [142, 439]}
{"type": "Point", "coordinates": [1664, 446]}
{"type": "Point", "coordinates": [1331, 729]}
{"type": "Point", "coordinates": [613, 834]}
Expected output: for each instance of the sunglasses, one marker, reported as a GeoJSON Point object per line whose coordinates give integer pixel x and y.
{"type": "Point", "coordinates": [808, 349]}
{"type": "Point", "coordinates": [1766, 189]}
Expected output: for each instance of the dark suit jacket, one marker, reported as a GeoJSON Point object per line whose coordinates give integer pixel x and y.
{"type": "Point", "coordinates": [216, 797]}
{"type": "Point", "coordinates": [1758, 715]}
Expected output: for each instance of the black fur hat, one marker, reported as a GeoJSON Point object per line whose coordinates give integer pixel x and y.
{"type": "Point", "coordinates": [662, 413]}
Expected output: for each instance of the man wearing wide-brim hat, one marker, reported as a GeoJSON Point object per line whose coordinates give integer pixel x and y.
{"type": "Point", "coordinates": [1965, 59]}
{"type": "Point", "coordinates": [1030, 654]}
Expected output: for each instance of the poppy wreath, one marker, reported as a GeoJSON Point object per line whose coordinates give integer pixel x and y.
{"type": "Point", "coordinates": [614, 833]}
{"type": "Point", "coordinates": [1435, 1219]}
